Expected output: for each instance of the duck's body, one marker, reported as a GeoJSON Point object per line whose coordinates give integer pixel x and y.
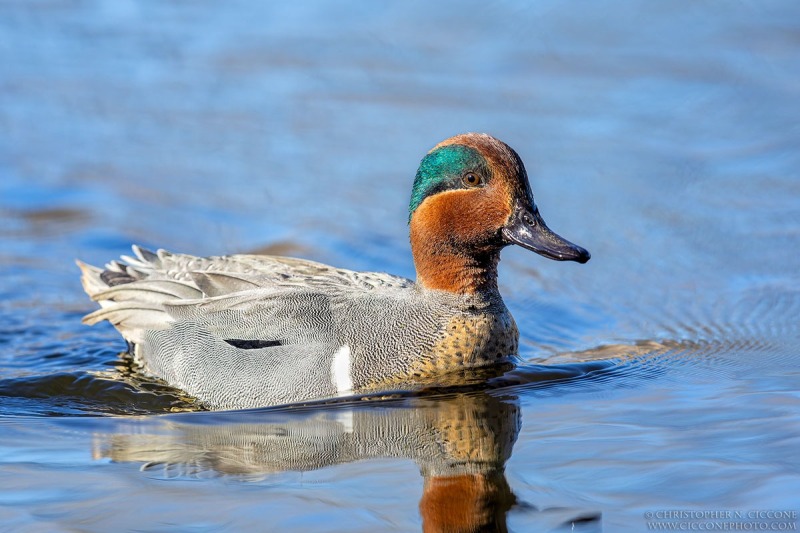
{"type": "Point", "coordinates": [247, 331]}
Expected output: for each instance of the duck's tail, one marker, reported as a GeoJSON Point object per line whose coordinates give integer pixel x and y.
{"type": "Point", "coordinates": [132, 293]}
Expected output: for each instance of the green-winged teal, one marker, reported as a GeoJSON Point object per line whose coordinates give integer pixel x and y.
{"type": "Point", "coordinates": [248, 330]}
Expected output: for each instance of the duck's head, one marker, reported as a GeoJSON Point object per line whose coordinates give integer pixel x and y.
{"type": "Point", "coordinates": [471, 198]}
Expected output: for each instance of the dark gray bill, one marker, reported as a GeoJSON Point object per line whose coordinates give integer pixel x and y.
{"type": "Point", "coordinates": [527, 229]}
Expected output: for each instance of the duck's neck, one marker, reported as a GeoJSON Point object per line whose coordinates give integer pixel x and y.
{"type": "Point", "coordinates": [446, 268]}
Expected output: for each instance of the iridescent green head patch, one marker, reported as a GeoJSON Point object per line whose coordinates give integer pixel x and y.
{"type": "Point", "coordinates": [442, 169]}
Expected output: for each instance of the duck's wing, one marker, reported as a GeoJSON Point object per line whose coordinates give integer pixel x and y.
{"type": "Point", "coordinates": [188, 275]}
{"type": "Point", "coordinates": [239, 297]}
{"type": "Point", "coordinates": [218, 275]}
{"type": "Point", "coordinates": [232, 338]}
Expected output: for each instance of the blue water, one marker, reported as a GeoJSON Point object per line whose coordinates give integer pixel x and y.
{"type": "Point", "coordinates": [663, 137]}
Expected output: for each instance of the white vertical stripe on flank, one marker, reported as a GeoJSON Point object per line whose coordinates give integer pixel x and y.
{"type": "Point", "coordinates": [340, 370]}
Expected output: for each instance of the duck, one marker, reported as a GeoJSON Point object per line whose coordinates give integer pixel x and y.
{"type": "Point", "coordinates": [246, 331]}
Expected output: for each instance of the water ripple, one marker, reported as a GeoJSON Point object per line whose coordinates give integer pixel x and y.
{"type": "Point", "coordinates": [121, 391]}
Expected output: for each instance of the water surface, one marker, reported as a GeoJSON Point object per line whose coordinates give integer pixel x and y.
{"type": "Point", "coordinates": [663, 374]}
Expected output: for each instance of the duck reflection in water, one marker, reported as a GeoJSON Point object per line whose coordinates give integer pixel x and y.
{"type": "Point", "coordinates": [460, 442]}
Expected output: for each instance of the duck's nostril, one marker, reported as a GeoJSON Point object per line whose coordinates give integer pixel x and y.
{"type": "Point", "coordinates": [526, 218]}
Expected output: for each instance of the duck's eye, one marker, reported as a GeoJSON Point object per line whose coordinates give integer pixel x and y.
{"type": "Point", "coordinates": [471, 179]}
